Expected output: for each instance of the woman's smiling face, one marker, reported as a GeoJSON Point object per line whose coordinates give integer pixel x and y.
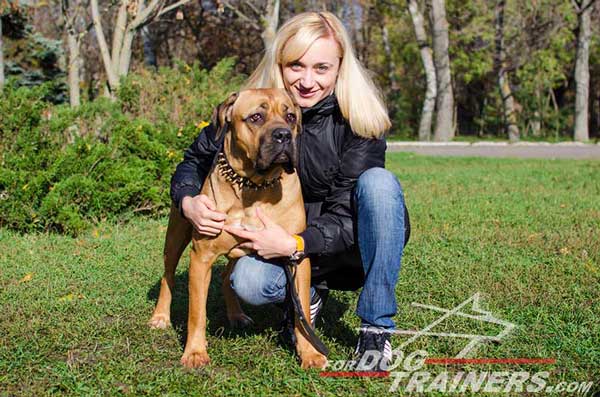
{"type": "Point", "coordinates": [313, 76]}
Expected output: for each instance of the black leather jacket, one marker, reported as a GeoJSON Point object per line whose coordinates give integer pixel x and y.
{"type": "Point", "coordinates": [331, 158]}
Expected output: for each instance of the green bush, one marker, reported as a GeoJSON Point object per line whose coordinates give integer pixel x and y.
{"type": "Point", "coordinates": [63, 169]}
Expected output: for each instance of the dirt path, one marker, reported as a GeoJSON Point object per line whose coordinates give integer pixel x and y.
{"type": "Point", "coordinates": [565, 150]}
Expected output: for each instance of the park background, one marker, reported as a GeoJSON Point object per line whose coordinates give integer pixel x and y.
{"type": "Point", "coordinates": [100, 98]}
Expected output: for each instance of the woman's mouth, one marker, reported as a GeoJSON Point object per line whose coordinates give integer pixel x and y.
{"type": "Point", "coordinates": [306, 93]}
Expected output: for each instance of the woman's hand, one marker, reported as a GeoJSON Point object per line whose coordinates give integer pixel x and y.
{"type": "Point", "coordinates": [201, 212]}
{"type": "Point", "coordinates": [272, 241]}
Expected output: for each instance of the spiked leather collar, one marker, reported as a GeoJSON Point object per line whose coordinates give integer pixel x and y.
{"type": "Point", "coordinates": [227, 171]}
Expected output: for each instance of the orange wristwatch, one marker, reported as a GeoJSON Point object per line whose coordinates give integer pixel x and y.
{"type": "Point", "coordinates": [299, 254]}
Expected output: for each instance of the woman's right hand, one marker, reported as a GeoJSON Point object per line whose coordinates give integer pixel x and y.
{"type": "Point", "coordinates": [201, 212]}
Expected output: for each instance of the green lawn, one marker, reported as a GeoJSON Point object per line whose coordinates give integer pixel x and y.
{"type": "Point", "coordinates": [523, 233]}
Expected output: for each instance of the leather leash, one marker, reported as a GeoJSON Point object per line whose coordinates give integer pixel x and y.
{"type": "Point", "coordinates": [294, 300]}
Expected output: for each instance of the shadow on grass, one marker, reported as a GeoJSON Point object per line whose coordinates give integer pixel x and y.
{"type": "Point", "coordinates": [263, 316]}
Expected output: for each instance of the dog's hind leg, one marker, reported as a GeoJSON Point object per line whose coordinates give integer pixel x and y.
{"type": "Point", "coordinates": [179, 234]}
{"type": "Point", "coordinates": [236, 316]}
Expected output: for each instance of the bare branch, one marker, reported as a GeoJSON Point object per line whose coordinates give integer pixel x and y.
{"type": "Point", "coordinates": [172, 7]}
{"type": "Point", "coordinates": [256, 10]}
{"type": "Point", "coordinates": [242, 15]}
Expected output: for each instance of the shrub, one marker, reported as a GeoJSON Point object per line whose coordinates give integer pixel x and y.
{"type": "Point", "coordinates": [63, 169]}
{"type": "Point", "coordinates": [180, 96]}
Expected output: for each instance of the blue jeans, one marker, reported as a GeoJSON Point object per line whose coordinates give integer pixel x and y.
{"type": "Point", "coordinates": [381, 228]}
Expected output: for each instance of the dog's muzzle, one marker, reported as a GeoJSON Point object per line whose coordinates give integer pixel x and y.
{"type": "Point", "coordinates": [277, 148]}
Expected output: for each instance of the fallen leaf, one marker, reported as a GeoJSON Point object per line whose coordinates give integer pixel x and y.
{"type": "Point", "coordinates": [70, 297]}
{"type": "Point", "coordinates": [26, 278]}
{"type": "Point", "coordinates": [66, 298]}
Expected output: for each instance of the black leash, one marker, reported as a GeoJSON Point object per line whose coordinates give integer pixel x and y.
{"type": "Point", "coordinates": [295, 301]}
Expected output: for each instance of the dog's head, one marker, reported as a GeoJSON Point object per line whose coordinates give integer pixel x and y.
{"type": "Point", "coordinates": [264, 124]}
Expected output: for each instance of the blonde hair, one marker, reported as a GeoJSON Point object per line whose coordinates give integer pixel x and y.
{"type": "Point", "coordinates": [360, 101]}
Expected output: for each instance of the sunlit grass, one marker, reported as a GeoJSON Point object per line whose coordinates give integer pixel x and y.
{"type": "Point", "coordinates": [523, 233]}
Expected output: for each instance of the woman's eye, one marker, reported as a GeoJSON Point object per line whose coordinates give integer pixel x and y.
{"type": "Point", "coordinates": [291, 118]}
{"type": "Point", "coordinates": [255, 118]}
{"type": "Point", "coordinates": [323, 68]}
{"type": "Point", "coordinates": [295, 66]}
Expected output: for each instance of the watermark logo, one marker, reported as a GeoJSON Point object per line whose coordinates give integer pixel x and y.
{"type": "Point", "coordinates": [410, 375]}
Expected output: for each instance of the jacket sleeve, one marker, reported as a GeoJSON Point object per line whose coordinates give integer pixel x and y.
{"type": "Point", "coordinates": [333, 231]}
{"type": "Point", "coordinates": [197, 162]}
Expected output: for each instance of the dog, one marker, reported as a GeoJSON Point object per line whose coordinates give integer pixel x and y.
{"type": "Point", "coordinates": [255, 168]}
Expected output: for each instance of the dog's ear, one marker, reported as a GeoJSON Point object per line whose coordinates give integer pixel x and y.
{"type": "Point", "coordinates": [298, 113]}
{"type": "Point", "coordinates": [289, 168]}
{"type": "Point", "coordinates": [222, 114]}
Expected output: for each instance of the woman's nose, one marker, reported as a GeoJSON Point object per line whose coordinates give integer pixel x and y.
{"type": "Point", "coordinates": [307, 79]}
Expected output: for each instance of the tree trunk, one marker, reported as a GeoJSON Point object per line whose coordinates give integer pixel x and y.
{"type": "Point", "coordinates": [270, 22]}
{"type": "Point", "coordinates": [508, 103]}
{"type": "Point", "coordinates": [116, 64]}
{"type": "Point", "coordinates": [388, 57]}
{"type": "Point", "coordinates": [125, 58]}
{"type": "Point", "coordinates": [118, 34]}
{"type": "Point", "coordinates": [74, 64]}
{"type": "Point", "coordinates": [444, 123]}
{"type": "Point", "coordinates": [1, 58]}
{"type": "Point", "coordinates": [427, 59]}
{"type": "Point", "coordinates": [582, 72]}
{"type": "Point", "coordinates": [111, 74]}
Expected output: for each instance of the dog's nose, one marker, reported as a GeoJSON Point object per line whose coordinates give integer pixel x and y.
{"type": "Point", "coordinates": [282, 135]}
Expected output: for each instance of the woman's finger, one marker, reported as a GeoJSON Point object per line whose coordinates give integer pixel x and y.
{"type": "Point", "coordinates": [216, 216]}
{"type": "Point", "coordinates": [236, 231]}
{"type": "Point", "coordinates": [208, 202]}
{"type": "Point", "coordinates": [264, 218]}
{"type": "Point", "coordinates": [212, 224]}
{"type": "Point", "coordinates": [207, 232]}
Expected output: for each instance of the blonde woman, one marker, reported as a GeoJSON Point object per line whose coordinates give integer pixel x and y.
{"type": "Point", "coordinates": [357, 221]}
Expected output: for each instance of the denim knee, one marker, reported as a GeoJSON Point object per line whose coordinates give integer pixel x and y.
{"type": "Point", "coordinates": [257, 282]}
{"type": "Point", "coordinates": [378, 184]}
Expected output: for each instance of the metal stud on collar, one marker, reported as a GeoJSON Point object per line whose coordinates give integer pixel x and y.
{"type": "Point", "coordinates": [227, 171]}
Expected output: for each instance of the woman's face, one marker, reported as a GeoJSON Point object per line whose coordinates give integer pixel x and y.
{"type": "Point", "coordinates": [312, 77]}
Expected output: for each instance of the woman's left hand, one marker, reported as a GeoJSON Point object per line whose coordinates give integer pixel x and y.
{"type": "Point", "coordinates": [272, 241]}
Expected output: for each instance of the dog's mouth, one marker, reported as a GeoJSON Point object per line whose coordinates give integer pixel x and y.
{"type": "Point", "coordinates": [272, 155]}
{"type": "Point", "coordinates": [282, 158]}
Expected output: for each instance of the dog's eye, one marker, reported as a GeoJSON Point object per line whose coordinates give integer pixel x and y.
{"type": "Point", "coordinates": [291, 118]}
{"type": "Point", "coordinates": [255, 118]}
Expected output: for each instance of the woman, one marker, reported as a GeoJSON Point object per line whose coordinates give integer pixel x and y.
{"type": "Point", "coordinates": [357, 223]}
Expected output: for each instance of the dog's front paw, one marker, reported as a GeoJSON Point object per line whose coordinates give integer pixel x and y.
{"type": "Point", "coordinates": [313, 360]}
{"type": "Point", "coordinates": [195, 359]}
{"type": "Point", "coordinates": [240, 320]}
{"type": "Point", "coordinates": [160, 321]}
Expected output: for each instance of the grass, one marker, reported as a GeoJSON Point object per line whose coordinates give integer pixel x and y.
{"type": "Point", "coordinates": [523, 233]}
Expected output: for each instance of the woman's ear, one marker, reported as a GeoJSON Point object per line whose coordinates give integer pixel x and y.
{"type": "Point", "coordinates": [222, 114]}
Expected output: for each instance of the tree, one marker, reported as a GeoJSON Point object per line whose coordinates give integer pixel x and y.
{"type": "Point", "coordinates": [72, 12]}
{"type": "Point", "coordinates": [270, 22]}
{"type": "Point", "coordinates": [444, 124]}
{"type": "Point", "coordinates": [268, 18]}
{"type": "Point", "coordinates": [508, 103]}
{"type": "Point", "coordinates": [428, 65]}
{"type": "Point", "coordinates": [132, 15]}
{"type": "Point", "coordinates": [582, 69]}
